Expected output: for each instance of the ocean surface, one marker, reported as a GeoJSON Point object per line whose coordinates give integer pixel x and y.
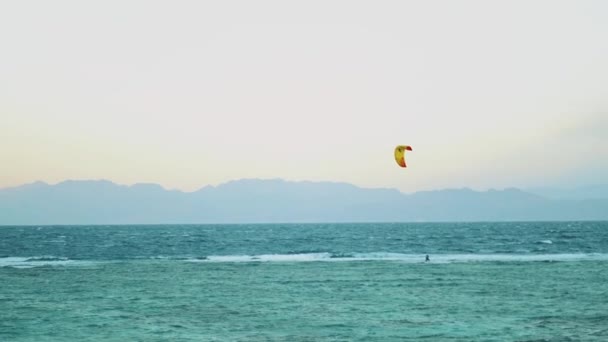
{"type": "Point", "coordinates": [306, 282]}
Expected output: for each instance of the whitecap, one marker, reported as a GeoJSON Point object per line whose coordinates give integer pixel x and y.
{"type": "Point", "coordinates": [399, 257]}
{"type": "Point", "coordinates": [40, 261]}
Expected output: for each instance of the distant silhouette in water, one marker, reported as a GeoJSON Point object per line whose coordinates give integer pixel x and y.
{"type": "Point", "coordinates": [427, 259]}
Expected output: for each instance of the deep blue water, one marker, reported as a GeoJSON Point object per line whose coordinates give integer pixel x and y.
{"type": "Point", "coordinates": [199, 241]}
{"type": "Point", "coordinates": [541, 281]}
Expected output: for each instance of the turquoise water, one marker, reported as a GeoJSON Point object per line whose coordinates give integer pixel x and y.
{"type": "Point", "coordinates": [317, 282]}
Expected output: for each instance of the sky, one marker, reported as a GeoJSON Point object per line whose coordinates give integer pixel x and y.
{"type": "Point", "coordinates": [489, 94]}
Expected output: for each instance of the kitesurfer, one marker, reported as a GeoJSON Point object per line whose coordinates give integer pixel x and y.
{"type": "Point", "coordinates": [427, 259]}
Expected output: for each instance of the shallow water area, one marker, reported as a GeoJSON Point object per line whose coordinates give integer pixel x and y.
{"type": "Point", "coordinates": [362, 300]}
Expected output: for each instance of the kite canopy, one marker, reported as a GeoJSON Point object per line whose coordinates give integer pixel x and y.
{"type": "Point", "coordinates": [400, 154]}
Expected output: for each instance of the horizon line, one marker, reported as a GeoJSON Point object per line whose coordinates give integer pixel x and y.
{"type": "Point", "coordinates": [295, 222]}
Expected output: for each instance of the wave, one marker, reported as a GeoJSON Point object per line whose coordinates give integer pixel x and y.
{"type": "Point", "coordinates": [406, 258]}
{"type": "Point", "coordinates": [47, 258]}
{"type": "Point", "coordinates": [52, 261]}
{"type": "Point", "coordinates": [41, 261]}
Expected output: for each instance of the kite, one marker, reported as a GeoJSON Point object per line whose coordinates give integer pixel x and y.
{"type": "Point", "coordinates": [400, 154]}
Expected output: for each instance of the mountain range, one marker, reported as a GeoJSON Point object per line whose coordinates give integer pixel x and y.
{"type": "Point", "coordinates": [276, 200]}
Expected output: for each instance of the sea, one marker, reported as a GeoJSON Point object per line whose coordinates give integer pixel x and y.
{"type": "Point", "coordinates": [485, 281]}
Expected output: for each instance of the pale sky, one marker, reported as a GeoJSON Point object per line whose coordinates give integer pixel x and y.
{"type": "Point", "coordinates": [490, 94]}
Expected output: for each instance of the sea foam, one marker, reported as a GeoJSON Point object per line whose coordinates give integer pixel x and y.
{"type": "Point", "coordinates": [41, 261]}
{"type": "Point", "coordinates": [405, 258]}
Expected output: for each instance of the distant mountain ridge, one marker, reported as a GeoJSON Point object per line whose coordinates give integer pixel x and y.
{"type": "Point", "coordinates": [276, 200]}
{"type": "Point", "coordinates": [581, 193]}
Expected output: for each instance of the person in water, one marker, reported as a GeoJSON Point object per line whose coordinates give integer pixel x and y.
{"type": "Point", "coordinates": [427, 259]}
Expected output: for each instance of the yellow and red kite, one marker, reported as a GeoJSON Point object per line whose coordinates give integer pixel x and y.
{"type": "Point", "coordinates": [400, 154]}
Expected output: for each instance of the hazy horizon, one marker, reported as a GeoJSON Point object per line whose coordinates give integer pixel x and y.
{"type": "Point", "coordinates": [280, 201]}
{"type": "Point", "coordinates": [488, 94]}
